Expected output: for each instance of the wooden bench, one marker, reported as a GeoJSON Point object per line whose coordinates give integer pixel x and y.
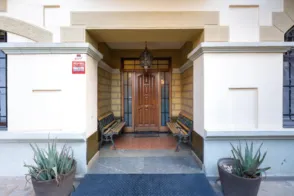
{"type": "Point", "coordinates": [109, 127]}
{"type": "Point", "coordinates": [182, 129]}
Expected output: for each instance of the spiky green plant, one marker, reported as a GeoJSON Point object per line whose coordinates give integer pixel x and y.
{"type": "Point", "coordinates": [49, 163]}
{"type": "Point", "coordinates": [247, 164]}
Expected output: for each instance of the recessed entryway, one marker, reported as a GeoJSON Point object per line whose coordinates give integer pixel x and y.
{"type": "Point", "coordinates": [147, 157]}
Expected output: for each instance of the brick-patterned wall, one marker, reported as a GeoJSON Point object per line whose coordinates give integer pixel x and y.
{"type": "Point", "coordinates": [187, 91]}
{"type": "Point", "coordinates": [176, 94]}
{"type": "Point", "coordinates": [104, 92]}
{"type": "Point", "coordinates": [116, 94]}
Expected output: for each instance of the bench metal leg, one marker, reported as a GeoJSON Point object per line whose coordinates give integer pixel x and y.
{"type": "Point", "coordinates": [101, 142]}
{"type": "Point", "coordinates": [178, 144]}
{"type": "Point", "coordinates": [113, 144]}
{"type": "Point", "coordinates": [190, 140]}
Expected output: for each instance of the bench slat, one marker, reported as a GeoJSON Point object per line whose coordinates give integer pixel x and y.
{"type": "Point", "coordinates": [109, 125]}
{"type": "Point", "coordinates": [182, 125]}
{"type": "Point", "coordinates": [172, 127]}
{"type": "Point", "coordinates": [118, 127]}
{"type": "Point", "coordinates": [175, 130]}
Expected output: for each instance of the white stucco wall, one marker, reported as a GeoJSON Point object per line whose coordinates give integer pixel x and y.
{"type": "Point", "coordinates": [47, 101]}
{"type": "Point", "coordinates": [44, 95]}
{"type": "Point", "coordinates": [32, 11]}
{"type": "Point", "coordinates": [242, 101]}
{"type": "Point", "coordinates": [198, 94]}
{"type": "Point", "coordinates": [92, 95]}
{"type": "Point", "coordinates": [279, 156]}
{"type": "Point", "coordinates": [13, 155]}
{"type": "Point", "coordinates": [243, 92]}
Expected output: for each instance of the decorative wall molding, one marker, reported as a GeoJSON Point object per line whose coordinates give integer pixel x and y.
{"type": "Point", "coordinates": [147, 19]}
{"type": "Point", "coordinates": [176, 71]}
{"type": "Point", "coordinates": [219, 135]}
{"type": "Point", "coordinates": [244, 6]}
{"type": "Point", "coordinates": [183, 68]}
{"type": "Point", "coordinates": [282, 22]}
{"type": "Point", "coordinates": [115, 71]}
{"type": "Point", "coordinates": [25, 29]}
{"type": "Point", "coordinates": [45, 90]}
{"type": "Point", "coordinates": [104, 66]}
{"type": "Point", "coordinates": [107, 68]}
{"type": "Point", "coordinates": [41, 136]}
{"type": "Point", "coordinates": [51, 48]}
{"type": "Point", "coordinates": [186, 66]}
{"type": "Point", "coordinates": [239, 47]}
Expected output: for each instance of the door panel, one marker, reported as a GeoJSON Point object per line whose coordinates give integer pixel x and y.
{"type": "Point", "coordinates": [146, 109]}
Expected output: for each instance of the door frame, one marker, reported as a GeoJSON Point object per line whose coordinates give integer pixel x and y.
{"type": "Point", "coordinates": [135, 103]}
{"type": "Point", "coordinates": [122, 71]}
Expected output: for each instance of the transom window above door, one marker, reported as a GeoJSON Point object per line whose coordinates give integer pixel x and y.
{"type": "Point", "coordinates": [133, 64]}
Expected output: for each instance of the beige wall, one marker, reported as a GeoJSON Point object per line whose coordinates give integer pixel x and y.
{"type": "Point", "coordinates": [106, 51]}
{"type": "Point", "coordinates": [104, 91]}
{"type": "Point", "coordinates": [90, 40]}
{"type": "Point", "coordinates": [187, 91]}
{"type": "Point", "coordinates": [3, 5]}
{"type": "Point", "coordinates": [24, 29]}
{"type": "Point", "coordinates": [176, 94]}
{"type": "Point", "coordinates": [185, 50]}
{"type": "Point", "coordinates": [116, 94]}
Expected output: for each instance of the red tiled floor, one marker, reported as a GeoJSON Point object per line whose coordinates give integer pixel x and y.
{"type": "Point", "coordinates": [145, 143]}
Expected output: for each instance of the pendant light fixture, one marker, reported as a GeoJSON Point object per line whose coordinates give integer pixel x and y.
{"type": "Point", "coordinates": [146, 58]}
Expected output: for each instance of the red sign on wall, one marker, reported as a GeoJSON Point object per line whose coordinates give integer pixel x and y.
{"type": "Point", "coordinates": [78, 67]}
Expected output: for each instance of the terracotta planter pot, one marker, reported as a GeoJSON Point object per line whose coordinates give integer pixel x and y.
{"type": "Point", "coordinates": [50, 188]}
{"type": "Point", "coordinates": [234, 185]}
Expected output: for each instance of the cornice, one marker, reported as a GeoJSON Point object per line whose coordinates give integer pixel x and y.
{"type": "Point", "coordinates": [104, 66]}
{"type": "Point", "coordinates": [41, 136]}
{"type": "Point", "coordinates": [51, 48]}
{"type": "Point", "coordinates": [176, 71]}
{"type": "Point", "coordinates": [107, 68]}
{"type": "Point", "coordinates": [279, 134]}
{"type": "Point", "coordinates": [186, 66]}
{"type": "Point", "coordinates": [183, 68]}
{"type": "Point", "coordinates": [115, 71]}
{"type": "Point", "coordinates": [239, 47]}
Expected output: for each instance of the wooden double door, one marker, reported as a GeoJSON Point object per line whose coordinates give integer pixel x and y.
{"type": "Point", "coordinates": [146, 101]}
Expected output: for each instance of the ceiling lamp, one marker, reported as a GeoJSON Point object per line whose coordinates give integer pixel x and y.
{"type": "Point", "coordinates": [146, 58]}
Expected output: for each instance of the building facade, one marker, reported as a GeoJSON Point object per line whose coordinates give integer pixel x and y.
{"type": "Point", "coordinates": [225, 63]}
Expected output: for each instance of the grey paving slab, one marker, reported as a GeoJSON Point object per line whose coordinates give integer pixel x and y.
{"type": "Point", "coordinates": [144, 165]}
{"type": "Point", "coordinates": [15, 186]}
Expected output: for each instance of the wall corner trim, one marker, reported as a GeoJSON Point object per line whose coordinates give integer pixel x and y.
{"type": "Point", "coordinates": [50, 48]}
{"type": "Point", "coordinates": [239, 47]}
{"type": "Point", "coordinates": [115, 71]}
{"type": "Point", "coordinates": [183, 68]}
{"type": "Point", "coordinates": [107, 68]}
{"type": "Point", "coordinates": [186, 66]}
{"type": "Point", "coordinates": [104, 66]}
{"type": "Point", "coordinates": [176, 71]}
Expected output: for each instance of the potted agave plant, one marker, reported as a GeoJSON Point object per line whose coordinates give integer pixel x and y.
{"type": "Point", "coordinates": [53, 173]}
{"type": "Point", "coordinates": [241, 175]}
